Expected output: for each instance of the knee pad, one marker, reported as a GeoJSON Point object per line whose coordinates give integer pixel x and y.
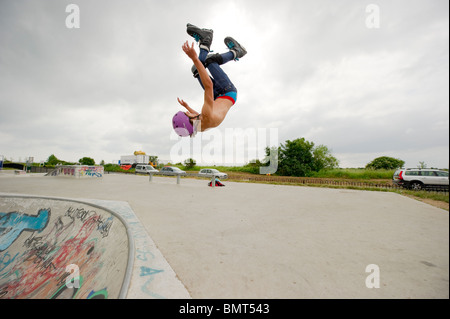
{"type": "Point", "coordinates": [194, 71]}
{"type": "Point", "coordinates": [214, 58]}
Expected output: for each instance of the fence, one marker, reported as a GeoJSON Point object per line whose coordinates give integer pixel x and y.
{"type": "Point", "coordinates": [41, 169]}
{"type": "Point", "coordinates": [329, 182]}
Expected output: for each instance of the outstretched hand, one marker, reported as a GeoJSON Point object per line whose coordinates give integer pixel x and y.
{"type": "Point", "coordinates": [182, 102]}
{"type": "Point", "coordinates": [189, 50]}
{"type": "Point", "coordinates": [190, 113]}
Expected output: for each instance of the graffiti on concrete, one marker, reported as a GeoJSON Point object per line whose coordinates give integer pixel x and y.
{"type": "Point", "coordinates": [68, 171]}
{"type": "Point", "coordinates": [92, 171]}
{"type": "Point", "coordinates": [35, 250]}
{"type": "Point", "coordinates": [13, 224]}
{"type": "Point", "coordinates": [77, 171]}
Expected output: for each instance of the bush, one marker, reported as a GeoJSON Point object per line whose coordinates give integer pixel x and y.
{"type": "Point", "coordinates": [385, 162]}
{"type": "Point", "coordinates": [113, 168]}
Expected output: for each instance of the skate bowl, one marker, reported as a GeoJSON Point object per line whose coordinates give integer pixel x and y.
{"type": "Point", "coordinates": [54, 248]}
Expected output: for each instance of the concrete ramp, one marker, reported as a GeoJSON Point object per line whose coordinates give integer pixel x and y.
{"type": "Point", "coordinates": [53, 248]}
{"type": "Point", "coordinates": [77, 171]}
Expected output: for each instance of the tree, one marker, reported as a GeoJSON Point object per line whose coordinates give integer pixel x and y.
{"type": "Point", "coordinates": [189, 163]}
{"type": "Point", "coordinates": [300, 158]}
{"type": "Point", "coordinates": [295, 158]}
{"type": "Point", "coordinates": [53, 160]}
{"type": "Point", "coordinates": [422, 164]}
{"type": "Point", "coordinates": [86, 161]}
{"type": "Point", "coordinates": [323, 158]}
{"type": "Point", "coordinates": [385, 162]}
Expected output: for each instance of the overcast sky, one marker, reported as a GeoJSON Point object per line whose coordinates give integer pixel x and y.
{"type": "Point", "coordinates": [365, 78]}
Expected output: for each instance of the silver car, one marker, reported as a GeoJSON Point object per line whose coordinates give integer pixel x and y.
{"type": "Point", "coordinates": [145, 169]}
{"type": "Point", "coordinates": [209, 172]}
{"type": "Point", "coordinates": [171, 171]}
{"type": "Point", "coordinates": [417, 178]}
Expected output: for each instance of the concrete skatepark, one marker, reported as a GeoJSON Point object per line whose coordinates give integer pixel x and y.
{"type": "Point", "coordinates": [243, 240]}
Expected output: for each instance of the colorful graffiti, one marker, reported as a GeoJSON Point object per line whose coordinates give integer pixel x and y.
{"type": "Point", "coordinates": [35, 249]}
{"type": "Point", "coordinates": [13, 224]}
{"type": "Point", "coordinates": [91, 171]}
{"type": "Point", "coordinates": [78, 171]}
{"type": "Point", "coordinates": [68, 171]}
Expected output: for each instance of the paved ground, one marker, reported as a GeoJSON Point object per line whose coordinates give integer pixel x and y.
{"type": "Point", "coordinates": [265, 241]}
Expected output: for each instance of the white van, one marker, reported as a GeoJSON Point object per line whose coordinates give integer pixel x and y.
{"type": "Point", "coordinates": [145, 169]}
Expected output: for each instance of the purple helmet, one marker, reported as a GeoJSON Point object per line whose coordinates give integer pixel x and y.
{"type": "Point", "coordinates": [182, 125]}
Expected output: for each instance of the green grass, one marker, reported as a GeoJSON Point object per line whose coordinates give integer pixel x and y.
{"type": "Point", "coordinates": [355, 173]}
{"type": "Point", "coordinates": [443, 197]}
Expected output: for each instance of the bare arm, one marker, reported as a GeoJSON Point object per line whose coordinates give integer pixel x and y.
{"type": "Point", "coordinates": [204, 77]}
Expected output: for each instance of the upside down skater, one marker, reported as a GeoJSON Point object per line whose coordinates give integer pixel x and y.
{"type": "Point", "coordinates": [220, 94]}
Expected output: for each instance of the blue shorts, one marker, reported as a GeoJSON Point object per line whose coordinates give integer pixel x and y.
{"type": "Point", "coordinates": [232, 96]}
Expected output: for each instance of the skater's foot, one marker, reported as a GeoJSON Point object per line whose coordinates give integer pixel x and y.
{"type": "Point", "coordinates": [203, 36]}
{"type": "Point", "coordinates": [234, 46]}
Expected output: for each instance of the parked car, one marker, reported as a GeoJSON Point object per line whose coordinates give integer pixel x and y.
{"type": "Point", "coordinates": [171, 171]}
{"type": "Point", "coordinates": [145, 169]}
{"type": "Point", "coordinates": [209, 172]}
{"type": "Point", "coordinates": [419, 178]}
